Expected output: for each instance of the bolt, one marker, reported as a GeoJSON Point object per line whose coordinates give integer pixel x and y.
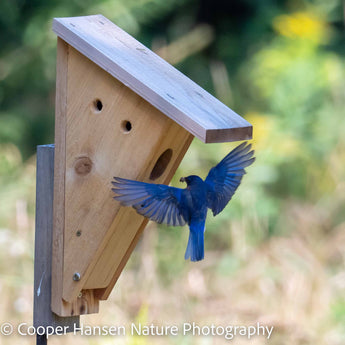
{"type": "Point", "coordinates": [76, 276]}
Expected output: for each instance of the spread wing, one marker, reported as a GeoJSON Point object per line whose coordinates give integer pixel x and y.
{"type": "Point", "coordinates": [223, 179]}
{"type": "Point", "coordinates": [157, 202]}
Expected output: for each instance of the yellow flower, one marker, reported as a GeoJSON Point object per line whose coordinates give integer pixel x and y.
{"type": "Point", "coordinates": [263, 126]}
{"type": "Point", "coordinates": [268, 135]}
{"type": "Point", "coordinates": [301, 25]}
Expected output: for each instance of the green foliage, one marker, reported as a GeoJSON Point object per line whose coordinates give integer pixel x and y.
{"type": "Point", "coordinates": [280, 65]}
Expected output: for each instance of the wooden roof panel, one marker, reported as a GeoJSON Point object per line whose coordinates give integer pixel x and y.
{"type": "Point", "coordinates": [152, 78]}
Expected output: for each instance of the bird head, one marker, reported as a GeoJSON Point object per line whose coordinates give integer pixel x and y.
{"type": "Point", "coordinates": [190, 180]}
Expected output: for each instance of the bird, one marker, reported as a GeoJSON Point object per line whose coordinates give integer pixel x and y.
{"type": "Point", "coordinates": [176, 206]}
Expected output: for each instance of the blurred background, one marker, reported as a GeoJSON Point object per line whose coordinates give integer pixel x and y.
{"type": "Point", "coordinates": [276, 254]}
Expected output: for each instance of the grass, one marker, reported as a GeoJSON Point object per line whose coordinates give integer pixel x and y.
{"type": "Point", "coordinates": [292, 280]}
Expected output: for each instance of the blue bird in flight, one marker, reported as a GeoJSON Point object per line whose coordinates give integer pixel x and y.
{"type": "Point", "coordinates": [177, 207]}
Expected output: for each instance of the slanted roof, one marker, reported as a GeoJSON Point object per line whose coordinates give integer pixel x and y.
{"type": "Point", "coordinates": [154, 79]}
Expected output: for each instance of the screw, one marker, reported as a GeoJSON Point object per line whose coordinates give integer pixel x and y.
{"type": "Point", "coordinates": [78, 233]}
{"type": "Point", "coordinates": [76, 276]}
{"type": "Point", "coordinates": [80, 295]}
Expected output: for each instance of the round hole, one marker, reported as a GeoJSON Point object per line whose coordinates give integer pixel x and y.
{"type": "Point", "coordinates": [126, 126]}
{"type": "Point", "coordinates": [161, 164]}
{"type": "Point", "coordinates": [98, 105]}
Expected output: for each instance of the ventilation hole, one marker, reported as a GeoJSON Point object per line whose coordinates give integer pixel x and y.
{"type": "Point", "coordinates": [161, 164]}
{"type": "Point", "coordinates": [126, 126]}
{"type": "Point", "coordinates": [97, 105]}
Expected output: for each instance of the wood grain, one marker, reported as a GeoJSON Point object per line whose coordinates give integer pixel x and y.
{"type": "Point", "coordinates": [127, 222]}
{"type": "Point", "coordinates": [59, 175]}
{"type": "Point", "coordinates": [76, 305]}
{"type": "Point", "coordinates": [103, 294]}
{"type": "Point", "coordinates": [152, 78]}
{"type": "Point", "coordinates": [97, 232]}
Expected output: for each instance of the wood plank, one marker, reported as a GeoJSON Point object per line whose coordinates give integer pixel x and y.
{"type": "Point", "coordinates": [86, 303]}
{"type": "Point", "coordinates": [43, 315]}
{"type": "Point", "coordinates": [59, 172]}
{"type": "Point", "coordinates": [152, 78]}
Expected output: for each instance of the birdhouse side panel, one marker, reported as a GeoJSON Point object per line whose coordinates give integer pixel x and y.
{"type": "Point", "coordinates": [85, 303]}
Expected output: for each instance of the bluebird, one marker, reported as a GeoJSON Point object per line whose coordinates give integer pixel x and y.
{"type": "Point", "coordinates": [177, 207]}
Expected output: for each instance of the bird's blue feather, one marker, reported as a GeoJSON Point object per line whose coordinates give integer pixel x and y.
{"type": "Point", "coordinates": [195, 246]}
{"type": "Point", "coordinates": [151, 200]}
{"type": "Point", "coordinates": [177, 207]}
{"type": "Point", "coordinates": [223, 179]}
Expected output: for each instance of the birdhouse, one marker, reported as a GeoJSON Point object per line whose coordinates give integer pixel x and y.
{"type": "Point", "coordinates": [121, 110]}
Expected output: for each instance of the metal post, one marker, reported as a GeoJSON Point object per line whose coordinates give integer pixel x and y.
{"type": "Point", "coordinates": [43, 316]}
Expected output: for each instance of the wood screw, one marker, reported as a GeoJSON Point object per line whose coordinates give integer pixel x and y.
{"type": "Point", "coordinates": [76, 276]}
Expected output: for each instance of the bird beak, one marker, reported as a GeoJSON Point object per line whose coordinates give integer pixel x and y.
{"type": "Point", "coordinates": [182, 179]}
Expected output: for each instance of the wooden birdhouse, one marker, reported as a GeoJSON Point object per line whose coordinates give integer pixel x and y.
{"type": "Point", "coordinates": [121, 110]}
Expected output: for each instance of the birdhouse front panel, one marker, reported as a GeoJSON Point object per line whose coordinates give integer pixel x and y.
{"type": "Point", "coordinates": [110, 130]}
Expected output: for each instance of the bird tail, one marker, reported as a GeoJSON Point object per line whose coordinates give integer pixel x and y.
{"type": "Point", "coordinates": [195, 247]}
